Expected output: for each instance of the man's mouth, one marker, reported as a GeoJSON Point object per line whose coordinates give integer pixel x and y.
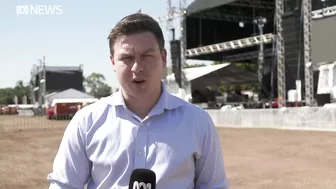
{"type": "Point", "coordinates": [138, 81]}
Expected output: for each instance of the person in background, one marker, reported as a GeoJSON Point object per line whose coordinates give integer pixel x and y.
{"type": "Point", "coordinates": [140, 126]}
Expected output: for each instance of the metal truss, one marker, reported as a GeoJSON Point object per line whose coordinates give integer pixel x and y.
{"type": "Point", "coordinates": [229, 15]}
{"type": "Point", "coordinates": [280, 53]}
{"type": "Point", "coordinates": [217, 15]}
{"type": "Point", "coordinates": [309, 79]}
{"type": "Point", "coordinates": [246, 56]}
{"type": "Point", "coordinates": [172, 14]}
{"type": "Point", "coordinates": [231, 45]}
{"type": "Point", "coordinates": [183, 40]}
{"type": "Point", "coordinates": [255, 4]}
{"type": "Point", "coordinates": [169, 25]}
{"type": "Point", "coordinates": [325, 12]}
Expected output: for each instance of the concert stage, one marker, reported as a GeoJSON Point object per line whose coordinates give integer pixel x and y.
{"type": "Point", "coordinates": [50, 79]}
{"type": "Point", "coordinates": [227, 31]}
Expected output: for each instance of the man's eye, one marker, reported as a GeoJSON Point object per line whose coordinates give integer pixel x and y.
{"type": "Point", "coordinates": [126, 58]}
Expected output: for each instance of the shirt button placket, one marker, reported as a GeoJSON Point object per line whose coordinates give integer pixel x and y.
{"type": "Point", "coordinates": [140, 147]}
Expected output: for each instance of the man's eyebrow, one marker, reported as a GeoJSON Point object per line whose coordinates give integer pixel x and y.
{"type": "Point", "coordinates": [149, 50]}
{"type": "Point", "coordinates": [126, 52]}
{"type": "Point", "coordinates": [124, 55]}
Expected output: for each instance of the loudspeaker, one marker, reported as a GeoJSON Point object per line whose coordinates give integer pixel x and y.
{"type": "Point", "coordinates": [323, 99]}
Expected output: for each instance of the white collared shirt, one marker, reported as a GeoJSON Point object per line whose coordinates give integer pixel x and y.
{"type": "Point", "coordinates": [105, 142]}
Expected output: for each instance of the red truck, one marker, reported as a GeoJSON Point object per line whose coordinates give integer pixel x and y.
{"type": "Point", "coordinates": [64, 110]}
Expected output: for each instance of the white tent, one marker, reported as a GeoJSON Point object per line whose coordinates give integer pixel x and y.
{"type": "Point", "coordinates": [69, 95]}
{"type": "Point", "coordinates": [327, 79]}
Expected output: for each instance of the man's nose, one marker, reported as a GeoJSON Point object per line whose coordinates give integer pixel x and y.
{"type": "Point", "coordinates": [137, 66]}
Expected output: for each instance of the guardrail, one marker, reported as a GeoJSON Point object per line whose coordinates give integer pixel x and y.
{"type": "Point", "coordinates": [304, 118]}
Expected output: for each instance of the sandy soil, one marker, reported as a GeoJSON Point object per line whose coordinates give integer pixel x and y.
{"type": "Point", "coordinates": [278, 159]}
{"type": "Point", "coordinates": [254, 158]}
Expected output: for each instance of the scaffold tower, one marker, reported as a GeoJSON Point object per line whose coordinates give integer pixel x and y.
{"type": "Point", "coordinates": [280, 53]}
{"type": "Point", "coordinates": [168, 21]}
{"type": "Point", "coordinates": [307, 32]}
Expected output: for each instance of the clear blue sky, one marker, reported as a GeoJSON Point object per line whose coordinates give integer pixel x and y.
{"type": "Point", "coordinates": [78, 36]}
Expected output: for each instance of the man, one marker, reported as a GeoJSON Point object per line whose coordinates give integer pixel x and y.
{"type": "Point", "coordinates": [141, 126]}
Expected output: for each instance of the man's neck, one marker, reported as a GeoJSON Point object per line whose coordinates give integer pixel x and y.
{"type": "Point", "coordinates": [142, 106]}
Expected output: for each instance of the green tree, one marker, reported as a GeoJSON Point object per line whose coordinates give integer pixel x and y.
{"type": "Point", "coordinates": [245, 66]}
{"type": "Point", "coordinates": [193, 65]}
{"type": "Point", "coordinates": [237, 87]}
{"type": "Point", "coordinates": [6, 96]}
{"type": "Point", "coordinates": [96, 86]}
{"type": "Point", "coordinates": [20, 90]}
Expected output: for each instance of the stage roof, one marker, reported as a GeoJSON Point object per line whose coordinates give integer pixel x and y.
{"type": "Point", "coordinates": [200, 5]}
{"type": "Point", "coordinates": [221, 74]}
{"type": "Point", "coordinates": [214, 21]}
{"type": "Point", "coordinates": [197, 72]}
{"type": "Point", "coordinates": [62, 68]}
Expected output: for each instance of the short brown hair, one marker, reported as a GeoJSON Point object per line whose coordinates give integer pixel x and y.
{"type": "Point", "coordinates": [136, 23]}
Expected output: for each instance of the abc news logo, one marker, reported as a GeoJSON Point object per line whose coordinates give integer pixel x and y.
{"type": "Point", "coordinates": [142, 185]}
{"type": "Point", "coordinates": [39, 10]}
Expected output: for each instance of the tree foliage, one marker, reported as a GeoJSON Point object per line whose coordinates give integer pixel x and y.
{"type": "Point", "coordinates": [193, 65]}
{"type": "Point", "coordinates": [94, 83]}
{"type": "Point", "coordinates": [238, 87]}
{"type": "Point", "coordinates": [20, 90]}
{"type": "Point", "coordinates": [245, 66]}
{"type": "Point", "coordinates": [96, 86]}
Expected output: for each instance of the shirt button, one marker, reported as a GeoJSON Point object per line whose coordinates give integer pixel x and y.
{"type": "Point", "coordinates": [139, 153]}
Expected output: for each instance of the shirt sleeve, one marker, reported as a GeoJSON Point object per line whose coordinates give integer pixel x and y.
{"type": "Point", "coordinates": [210, 171]}
{"type": "Point", "coordinates": [71, 167]}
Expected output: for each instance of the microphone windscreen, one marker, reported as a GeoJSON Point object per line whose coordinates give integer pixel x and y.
{"type": "Point", "coordinates": [142, 179]}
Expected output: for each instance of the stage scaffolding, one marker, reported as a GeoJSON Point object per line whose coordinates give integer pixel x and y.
{"type": "Point", "coordinates": [276, 37]}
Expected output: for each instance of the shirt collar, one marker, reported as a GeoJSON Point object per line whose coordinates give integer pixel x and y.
{"type": "Point", "coordinates": [166, 100]}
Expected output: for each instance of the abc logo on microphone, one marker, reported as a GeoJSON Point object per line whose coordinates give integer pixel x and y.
{"type": "Point", "coordinates": [142, 179]}
{"type": "Point", "coordinates": [141, 185]}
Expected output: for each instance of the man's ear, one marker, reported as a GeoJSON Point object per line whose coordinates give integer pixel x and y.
{"type": "Point", "coordinates": [112, 61]}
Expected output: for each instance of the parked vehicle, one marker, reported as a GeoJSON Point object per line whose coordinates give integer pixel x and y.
{"type": "Point", "coordinates": [66, 108]}
{"type": "Point", "coordinates": [63, 110]}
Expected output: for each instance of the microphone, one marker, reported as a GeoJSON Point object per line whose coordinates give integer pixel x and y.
{"type": "Point", "coordinates": [142, 179]}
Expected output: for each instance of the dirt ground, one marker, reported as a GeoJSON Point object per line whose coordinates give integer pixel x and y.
{"type": "Point", "coordinates": [254, 158]}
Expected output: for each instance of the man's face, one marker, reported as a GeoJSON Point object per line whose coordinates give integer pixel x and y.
{"type": "Point", "coordinates": [138, 63]}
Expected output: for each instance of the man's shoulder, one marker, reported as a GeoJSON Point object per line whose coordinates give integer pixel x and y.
{"type": "Point", "coordinates": [189, 108]}
{"type": "Point", "coordinates": [93, 110]}
{"type": "Point", "coordinates": [195, 118]}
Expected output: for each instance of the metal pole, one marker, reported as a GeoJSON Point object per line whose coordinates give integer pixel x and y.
{"type": "Point", "coordinates": [40, 67]}
{"type": "Point", "coordinates": [45, 81]}
{"type": "Point", "coordinates": [261, 60]}
{"type": "Point", "coordinates": [260, 22]}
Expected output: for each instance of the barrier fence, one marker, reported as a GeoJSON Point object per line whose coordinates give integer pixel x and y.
{"type": "Point", "coordinates": [316, 118]}
{"type": "Point", "coordinates": [26, 121]}
{"type": "Point", "coordinates": [304, 118]}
